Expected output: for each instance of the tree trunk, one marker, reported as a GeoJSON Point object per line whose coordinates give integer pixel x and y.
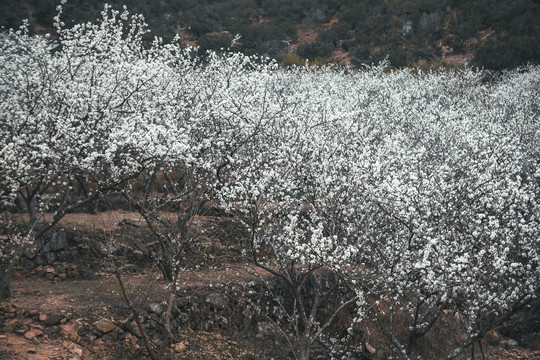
{"type": "Point", "coordinates": [31, 207]}
{"type": "Point", "coordinates": [5, 283]}
{"type": "Point", "coordinates": [5, 286]}
{"type": "Point", "coordinates": [305, 348]}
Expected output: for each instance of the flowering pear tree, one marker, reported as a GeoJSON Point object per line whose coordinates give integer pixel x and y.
{"type": "Point", "coordinates": [88, 110]}
{"type": "Point", "coordinates": [291, 209]}
{"type": "Point", "coordinates": [212, 105]}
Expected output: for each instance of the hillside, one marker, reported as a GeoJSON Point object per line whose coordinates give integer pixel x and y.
{"type": "Point", "coordinates": [494, 34]}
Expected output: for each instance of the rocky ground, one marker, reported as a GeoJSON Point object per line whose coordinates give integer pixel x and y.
{"type": "Point", "coordinates": [66, 302]}
{"type": "Point", "coordinates": [86, 319]}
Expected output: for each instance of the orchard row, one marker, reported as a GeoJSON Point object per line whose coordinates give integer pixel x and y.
{"type": "Point", "coordinates": [420, 191]}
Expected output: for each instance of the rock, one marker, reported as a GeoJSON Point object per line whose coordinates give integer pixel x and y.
{"type": "Point", "coordinates": [28, 266]}
{"type": "Point", "coordinates": [31, 350]}
{"type": "Point", "coordinates": [11, 325]}
{"type": "Point", "coordinates": [116, 333]}
{"type": "Point", "coordinates": [129, 268]}
{"type": "Point", "coordinates": [62, 267]}
{"type": "Point", "coordinates": [42, 317]}
{"type": "Point", "coordinates": [49, 276]}
{"type": "Point", "coordinates": [104, 325]}
{"type": "Point", "coordinates": [179, 347]}
{"type": "Point", "coordinates": [21, 331]}
{"type": "Point", "coordinates": [184, 317]}
{"type": "Point", "coordinates": [9, 315]}
{"type": "Point", "coordinates": [70, 331]}
{"type": "Point", "coordinates": [493, 338]}
{"type": "Point", "coordinates": [30, 252]}
{"type": "Point", "coordinates": [156, 309]}
{"type": "Point", "coordinates": [73, 273]}
{"type": "Point", "coordinates": [370, 348]}
{"type": "Point", "coordinates": [39, 260]}
{"type": "Point", "coordinates": [509, 344]}
{"type": "Point", "coordinates": [62, 276]}
{"type": "Point", "coordinates": [53, 320]}
{"type": "Point", "coordinates": [265, 329]}
{"type": "Point", "coordinates": [130, 339]}
{"type": "Point", "coordinates": [32, 313]}
{"type": "Point", "coordinates": [8, 309]}
{"type": "Point", "coordinates": [75, 349]}
{"type": "Point", "coordinates": [57, 242]}
{"type": "Point", "coordinates": [32, 334]}
{"type": "Point", "coordinates": [216, 300]}
{"type": "Point", "coordinates": [535, 343]}
{"type": "Point", "coordinates": [40, 271]}
{"type": "Point", "coordinates": [134, 329]}
{"type": "Point", "coordinates": [51, 257]}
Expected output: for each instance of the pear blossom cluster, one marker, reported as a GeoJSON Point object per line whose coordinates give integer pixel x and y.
{"type": "Point", "coordinates": [419, 190]}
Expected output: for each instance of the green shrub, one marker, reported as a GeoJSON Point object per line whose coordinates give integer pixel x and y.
{"type": "Point", "coordinates": [314, 50]}
{"type": "Point", "coordinates": [292, 59]}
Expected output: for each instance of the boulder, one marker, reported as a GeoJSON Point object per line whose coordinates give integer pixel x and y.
{"type": "Point", "coordinates": [8, 309]}
{"type": "Point", "coordinates": [33, 334]}
{"type": "Point", "coordinates": [70, 331]}
{"type": "Point", "coordinates": [11, 325]}
{"type": "Point", "coordinates": [104, 325]}
{"type": "Point", "coordinates": [53, 320]}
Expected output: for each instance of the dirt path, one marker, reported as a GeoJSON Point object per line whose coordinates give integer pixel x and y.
{"type": "Point", "coordinates": [105, 220]}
